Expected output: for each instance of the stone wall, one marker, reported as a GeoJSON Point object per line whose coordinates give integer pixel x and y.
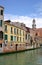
{"type": "Point", "coordinates": [13, 47]}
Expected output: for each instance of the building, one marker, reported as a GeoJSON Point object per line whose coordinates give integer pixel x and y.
{"type": "Point", "coordinates": [39, 33]}
{"type": "Point", "coordinates": [33, 29]}
{"type": "Point", "coordinates": [14, 36]}
{"type": "Point", "coordinates": [14, 33]}
{"type": "Point", "coordinates": [34, 33]}
{"type": "Point", "coordinates": [1, 25]}
{"type": "Point", "coordinates": [33, 24]}
{"type": "Point", "coordinates": [27, 36]}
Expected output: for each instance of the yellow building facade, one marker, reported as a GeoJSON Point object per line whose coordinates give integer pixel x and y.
{"type": "Point", "coordinates": [14, 34]}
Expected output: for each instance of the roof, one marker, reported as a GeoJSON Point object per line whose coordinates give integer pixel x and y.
{"type": "Point", "coordinates": [1, 7]}
{"type": "Point", "coordinates": [16, 24]}
{"type": "Point", "coordinates": [28, 29]}
{"type": "Point", "coordinates": [8, 21]}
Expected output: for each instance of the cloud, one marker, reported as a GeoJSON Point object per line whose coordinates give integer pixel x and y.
{"type": "Point", "coordinates": [16, 18]}
{"type": "Point", "coordinates": [24, 19]}
{"type": "Point", "coordinates": [33, 15]}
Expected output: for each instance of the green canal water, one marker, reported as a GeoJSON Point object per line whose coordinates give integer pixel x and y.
{"type": "Point", "coordinates": [32, 57]}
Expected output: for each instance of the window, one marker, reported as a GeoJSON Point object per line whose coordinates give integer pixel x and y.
{"type": "Point", "coordinates": [17, 38]}
{"type": "Point", "coordinates": [20, 39]}
{"type": "Point", "coordinates": [14, 38]}
{"type": "Point", "coordinates": [1, 12]}
{"type": "Point", "coordinates": [20, 32]}
{"type": "Point", "coordinates": [11, 30]}
{"type": "Point", "coordinates": [26, 36]}
{"type": "Point", "coordinates": [0, 45]}
{"type": "Point", "coordinates": [11, 38]}
{"type": "Point", "coordinates": [23, 33]}
{"type": "Point", "coordinates": [5, 28]}
{"type": "Point", "coordinates": [1, 35]}
{"type": "Point", "coordinates": [14, 30]}
{"type": "Point", "coordinates": [23, 39]}
{"type": "Point", "coordinates": [6, 37]}
{"type": "Point", "coordinates": [17, 31]}
{"type": "Point", "coordinates": [1, 23]}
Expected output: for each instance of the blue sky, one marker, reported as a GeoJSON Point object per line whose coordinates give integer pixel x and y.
{"type": "Point", "coordinates": [23, 11]}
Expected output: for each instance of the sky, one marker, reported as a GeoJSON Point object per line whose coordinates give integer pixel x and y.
{"type": "Point", "coordinates": [23, 11]}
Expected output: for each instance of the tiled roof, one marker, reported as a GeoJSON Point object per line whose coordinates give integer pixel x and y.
{"type": "Point", "coordinates": [17, 24]}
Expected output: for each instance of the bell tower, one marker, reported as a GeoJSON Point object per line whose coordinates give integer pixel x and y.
{"type": "Point", "coordinates": [1, 25]}
{"type": "Point", "coordinates": [33, 24]}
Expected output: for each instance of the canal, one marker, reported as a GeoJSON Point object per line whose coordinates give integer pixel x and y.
{"type": "Point", "coordinates": [32, 57]}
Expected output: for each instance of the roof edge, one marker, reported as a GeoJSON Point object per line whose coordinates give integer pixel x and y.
{"type": "Point", "coordinates": [2, 7]}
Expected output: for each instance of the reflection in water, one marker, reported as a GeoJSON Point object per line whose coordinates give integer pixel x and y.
{"type": "Point", "coordinates": [33, 57]}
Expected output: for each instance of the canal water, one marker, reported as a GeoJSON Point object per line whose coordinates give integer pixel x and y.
{"type": "Point", "coordinates": [32, 57]}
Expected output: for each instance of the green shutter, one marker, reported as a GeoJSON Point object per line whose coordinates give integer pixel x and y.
{"type": "Point", "coordinates": [1, 23]}
{"type": "Point", "coordinates": [11, 38]}
{"type": "Point", "coordinates": [6, 37]}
